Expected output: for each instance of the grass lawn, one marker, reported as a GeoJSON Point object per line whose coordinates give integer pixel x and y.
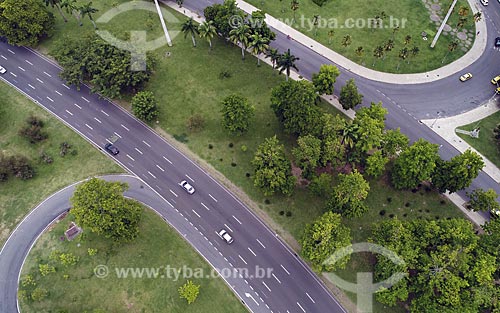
{"type": "Point", "coordinates": [18, 197]}
{"type": "Point", "coordinates": [415, 13]}
{"type": "Point", "coordinates": [157, 245]}
{"type": "Point", "coordinates": [486, 143]}
{"type": "Point", "coordinates": [188, 82]}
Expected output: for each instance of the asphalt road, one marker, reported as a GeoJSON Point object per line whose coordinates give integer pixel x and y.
{"type": "Point", "coordinates": [290, 287]}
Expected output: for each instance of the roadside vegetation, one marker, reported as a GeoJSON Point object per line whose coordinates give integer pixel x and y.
{"type": "Point", "coordinates": [297, 158]}
{"type": "Point", "coordinates": [59, 276]}
{"type": "Point", "coordinates": [54, 157]}
{"type": "Point", "coordinates": [376, 42]}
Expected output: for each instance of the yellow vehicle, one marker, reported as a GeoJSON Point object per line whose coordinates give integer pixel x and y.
{"type": "Point", "coordinates": [498, 91]}
{"type": "Point", "coordinates": [495, 80]}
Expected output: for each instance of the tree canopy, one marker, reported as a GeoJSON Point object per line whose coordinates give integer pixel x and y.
{"type": "Point", "coordinates": [144, 106]}
{"type": "Point", "coordinates": [324, 80]}
{"type": "Point", "coordinates": [349, 95]}
{"type": "Point", "coordinates": [457, 173]}
{"type": "Point", "coordinates": [236, 114]}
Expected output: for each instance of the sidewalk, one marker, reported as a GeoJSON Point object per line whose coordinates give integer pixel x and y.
{"type": "Point", "coordinates": [470, 57]}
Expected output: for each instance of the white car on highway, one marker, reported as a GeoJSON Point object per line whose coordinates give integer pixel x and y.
{"type": "Point", "coordinates": [187, 187]}
{"type": "Point", "coordinates": [2, 70]}
{"type": "Point", "coordinates": [225, 236]}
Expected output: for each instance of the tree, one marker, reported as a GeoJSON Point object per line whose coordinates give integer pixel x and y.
{"type": "Point", "coordinates": [19, 166]}
{"type": "Point", "coordinates": [274, 55]}
{"type": "Point", "coordinates": [33, 130]}
{"type": "Point", "coordinates": [359, 51]}
{"type": "Point", "coordinates": [370, 127]}
{"type": "Point", "coordinates": [346, 41]}
{"type": "Point", "coordinates": [100, 206]}
{"type": "Point", "coordinates": [207, 30]}
{"type": "Point", "coordinates": [389, 45]}
{"type": "Point", "coordinates": [375, 164]}
{"type": "Point", "coordinates": [458, 173]}
{"type": "Point", "coordinates": [294, 103]}
{"type": "Point", "coordinates": [294, 5]}
{"type": "Point", "coordinates": [236, 114]}
{"type": "Point", "coordinates": [481, 200]}
{"type": "Point", "coordinates": [144, 106]}
{"type": "Point", "coordinates": [331, 33]}
{"type": "Point", "coordinates": [477, 16]}
{"type": "Point", "coordinates": [323, 238]}
{"type": "Point", "coordinates": [307, 154]}
{"type": "Point", "coordinates": [407, 40]}
{"type": "Point", "coordinates": [415, 51]}
{"type": "Point", "coordinates": [189, 27]}
{"type": "Point", "coordinates": [56, 4]}
{"type": "Point", "coordinates": [451, 47]}
{"type": "Point", "coordinates": [321, 185]}
{"type": "Point", "coordinates": [258, 45]}
{"type": "Point", "coordinates": [403, 54]}
{"type": "Point", "coordinates": [25, 22]}
{"type": "Point", "coordinates": [70, 7]}
{"type": "Point", "coordinates": [333, 149]}
{"type": "Point", "coordinates": [189, 291]}
{"type": "Point", "coordinates": [224, 16]}
{"type": "Point", "coordinates": [394, 142]}
{"type": "Point", "coordinates": [324, 80]}
{"type": "Point", "coordinates": [348, 195]}
{"type": "Point", "coordinates": [240, 35]}
{"type": "Point", "coordinates": [463, 11]}
{"type": "Point", "coordinates": [378, 52]}
{"type": "Point", "coordinates": [349, 95]}
{"type": "Point", "coordinates": [286, 62]}
{"type": "Point", "coordinates": [87, 10]}
{"type": "Point", "coordinates": [272, 168]}
{"type": "Point", "coordinates": [415, 165]}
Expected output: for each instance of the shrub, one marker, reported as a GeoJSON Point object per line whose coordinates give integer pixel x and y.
{"type": "Point", "coordinates": [68, 259]}
{"type": "Point", "coordinates": [28, 280]}
{"type": "Point", "coordinates": [46, 269]}
{"type": "Point", "coordinates": [195, 123]}
{"type": "Point", "coordinates": [144, 106]}
{"type": "Point", "coordinates": [39, 294]}
{"type": "Point", "coordinates": [244, 148]}
{"type": "Point", "coordinates": [20, 167]}
{"type": "Point", "coordinates": [91, 251]}
{"type": "Point", "coordinates": [44, 157]}
{"type": "Point", "coordinates": [64, 148]}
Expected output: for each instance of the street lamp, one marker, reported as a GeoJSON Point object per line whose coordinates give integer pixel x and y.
{"type": "Point", "coordinates": [438, 114]}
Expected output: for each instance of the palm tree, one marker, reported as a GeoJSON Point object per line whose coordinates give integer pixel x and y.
{"type": "Point", "coordinates": [349, 137]}
{"type": "Point", "coordinates": [378, 52]}
{"type": "Point", "coordinates": [407, 39]}
{"type": "Point", "coordinates": [258, 44]}
{"type": "Point", "coordinates": [477, 16]}
{"type": "Point", "coordinates": [286, 62]}
{"type": "Point", "coordinates": [359, 51]}
{"type": "Point", "coordinates": [207, 30]}
{"type": "Point", "coordinates": [388, 46]}
{"type": "Point", "coordinates": [87, 10]}
{"type": "Point", "coordinates": [394, 30]}
{"type": "Point", "coordinates": [347, 40]}
{"type": "Point", "coordinates": [274, 55]}
{"type": "Point", "coordinates": [71, 8]}
{"type": "Point", "coordinates": [451, 47]}
{"type": "Point", "coordinates": [461, 22]}
{"type": "Point", "coordinates": [240, 35]}
{"type": "Point", "coordinates": [56, 3]}
{"type": "Point", "coordinates": [315, 23]}
{"type": "Point", "coordinates": [330, 36]}
{"type": "Point", "coordinates": [463, 11]}
{"type": "Point", "coordinates": [403, 54]}
{"type": "Point", "coordinates": [294, 5]}
{"type": "Point", "coordinates": [189, 27]}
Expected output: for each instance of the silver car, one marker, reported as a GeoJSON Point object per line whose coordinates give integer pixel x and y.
{"type": "Point", "coordinates": [186, 186]}
{"type": "Point", "coordinates": [2, 70]}
{"type": "Point", "coordinates": [225, 236]}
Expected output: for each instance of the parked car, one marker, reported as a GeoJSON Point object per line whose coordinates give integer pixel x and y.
{"type": "Point", "coordinates": [225, 236]}
{"type": "Point", "coordinates": [2, 70]}
{"type": "Point", "coordinates": [495, 80]}
{"type": "Point", "coordinates": [497, 91]}
{"type": "Point", "coordinates": [111, 149]}
{"type": "Point", "coordinates": [495, 213]}
{"type": "Point", "coordinates": [497, 42]}
{"type": "Point", "coordinates": [186, 186]}
{"type": "Point", "coordinates": [465, 77]}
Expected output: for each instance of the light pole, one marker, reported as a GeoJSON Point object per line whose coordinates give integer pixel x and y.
{"type": "Point", "coordinates": [165, 30]}
{"type": "Point", "coordinates": [438, 114]}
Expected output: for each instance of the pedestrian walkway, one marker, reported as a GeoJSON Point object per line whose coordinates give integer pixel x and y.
{"type": "Point", "coordinates": [470, 57]}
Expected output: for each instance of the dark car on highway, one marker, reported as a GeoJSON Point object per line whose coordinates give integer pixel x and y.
{"type": "Point", "coordinates": [111, 149]}
{"type": "Point", "coordinates": [497, 42]}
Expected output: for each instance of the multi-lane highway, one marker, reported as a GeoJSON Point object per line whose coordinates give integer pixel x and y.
{"type": "Point", "coordinates": [290, 285]}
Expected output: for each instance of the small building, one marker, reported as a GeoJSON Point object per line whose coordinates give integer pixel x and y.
{"type": "Point", "coordinates": [73, 231]}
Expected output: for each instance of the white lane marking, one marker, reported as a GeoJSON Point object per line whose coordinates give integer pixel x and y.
{"type": "Point", "coordinates": [22, 69]}
{"type": "Point", "coordinates": [276, 278]}
{"type": "Point", "coordinates": [310, 298]}
{"type": "Point", "coordinates": [13, 74]}
{"type": "Point", "coordinates": [237, 220]}
{"type": "Point", "coordinates": [205, 206]}
{"type": "Point", "coordinates": [65, 86]}
{"type": "Point", "coordinates": [58, 93]}
{"type": "Point", "coordinates": [88, 126]}
{"type": "Point", "coordinates": [50, 99]}
{"type": "Point", "coordinates": [196, 213]}
{"type": "Point", "coordinates": [69, 113]}
{"type": "Point", "coordinates": [104, 113]}
{"type": "Point", "coordinates": [243, 260]}
{"type": "Point", "coordinates": [124, 127]}
{"type": "Point", "coordinates": [130, 157]}
{"type": "Point", "coordinates": [3, 57]}
{"type": "Point", "coordinates": [147, 144]}
{"type": "Point", "coordinates": [229, 228]}
{"type": "Point", "coordinates": [252, 251]}
{"type": "Point", "coordinates": [300, 306]}
{"type": "Point", "coordinates": [31, 86]}
{"type": "Point", "coordinates": [266, 287]}
{"type": "Point", "coordinates": [76, 105]}
{"type": "Point", "coordinates": [29, 62]}
{"type": "Point", "coordinates": [95, 118]}
{"type": "Point", "coordinates": [212, 197]}
{"type": "Point", "coordinates": [151, 174]}
{"type": "Point", "coordinates": [84, 99]}
{"type": "Point", "coordinates": [11, 51]}
{"type": "Point", "coordinates": [47, 74]}
{"type": "Point", "coordinates": [173, 193]}
{"type": "Point", "coordinates": [117, 135]}
{"type": "Point", "coordinates": [109, 141]}
{"type": "Point", "coordinates": [160, 168]}
{"type": "Point", "coordinates": [261, 243]}
{"type": "Point", "coordinates": [167, 160]}
{"type": "Point", "coordinates": [138, 151]}
{"type": "Point", "coordinates": [41, 81]}
{"type": "Point", "coordinates": [285, 269]}
{"type": "Point", "coordinates": [189, 178]}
